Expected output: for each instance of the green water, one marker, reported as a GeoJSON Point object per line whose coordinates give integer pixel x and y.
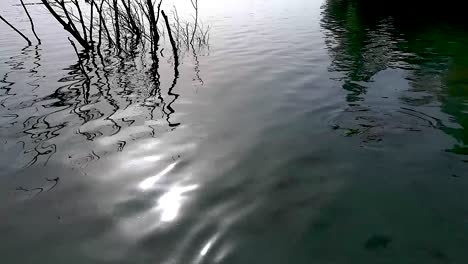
{"type": "Point", "coordinates": [307, 132]}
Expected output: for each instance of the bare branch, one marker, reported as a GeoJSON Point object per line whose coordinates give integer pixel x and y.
{"type": "Point", "coordinates": [117, 28]}
{"type": "Point", "coordinates": [70, 27]}
{"type": "Point", "coordinates": [80, 62]}
{"type": "Point", "coordinates": [30, 21]}
{"type": "Point", "coordinates": [17, 31]}
{"type": "Point", "coordinates": [80, 18]}
{"type": "Point", "coordinates": [169, 33]}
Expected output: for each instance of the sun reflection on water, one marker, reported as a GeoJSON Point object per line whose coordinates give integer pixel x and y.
{"type": "Point", "coordinates": [142, 162]}
{"type": "Point", "coordinates": [148, 183]}
{"type": "Point", "coordinates": [169, 203]}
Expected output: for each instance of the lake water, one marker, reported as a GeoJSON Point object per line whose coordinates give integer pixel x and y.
{"type": "Point", "coordinates": [308, 131]}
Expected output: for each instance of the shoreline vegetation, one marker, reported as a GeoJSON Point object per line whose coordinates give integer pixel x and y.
{"type": "Point", "coordinates": [121, 26]}
{"type": "Point", "coordinates": [106, 34]}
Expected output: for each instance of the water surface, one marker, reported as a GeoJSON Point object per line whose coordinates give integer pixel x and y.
{"type": "Point", "coordinates": [307, 132]}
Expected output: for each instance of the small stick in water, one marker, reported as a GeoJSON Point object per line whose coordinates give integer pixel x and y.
{"type": "Point", "coordinates": [173, 44]}
{"type": "Point", "coordinates": [30, 21]}
{"type": "Point", "coordinates": [17, 31]}
{"type": "Point", "coordinates": [79, 60]}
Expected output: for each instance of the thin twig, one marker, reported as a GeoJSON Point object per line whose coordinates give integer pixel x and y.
{"type": "Point", "coordinates": [173, 43]}
{"type": "Point", "coordinates": [17, 31]}
{"type": "Point", "coordinates": [91, 23]}
{"type": "Point", "coordinates": [117, 28]}
{"type": "Point", "coordinates": [67, 26]}
{"type": "Point", "coordinates": [195, 6]}
{"type": "Point", "coordinates": [30, 21]}
{"type": "Point", "coordinates": [83, 27]}
{"type": "Point", "coordinates": [79, 60]}
{"type": "Point", "coordinates": [103, 24]}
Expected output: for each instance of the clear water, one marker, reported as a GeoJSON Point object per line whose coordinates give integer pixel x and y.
{"type": "Point", "coordinates": [308, 132]}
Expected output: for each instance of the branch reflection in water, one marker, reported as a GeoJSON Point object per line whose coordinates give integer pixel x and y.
{"type": "Point", "coordinates": [108, 98]}
{"type": "Point", "coordinates": [369, 44]}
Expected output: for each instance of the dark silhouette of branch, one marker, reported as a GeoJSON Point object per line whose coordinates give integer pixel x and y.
{"type": "Point", "coordinates": [30, 21]}
{"type": "Point", "coordinates": [195, 6]}
{"type": "Point", "coordinates": [103, 24]}
{"type": "Point", "coordinates": [175, 95]}
{"type": "Point", "coordinates": [67, 14]}
{"type": "Point", "coordinates": [100, 26]}
{"type": "Point", "coordinates": [131, 20]}
{"type": "Point", "coordinates": [17, 31]}
{"type": "Point", "coordinates": [91, 21]}
{"type": "Point", "coordinates": [173, 43]}
{"type": "Point", "coordinates": [79, 60]}
{"type": "Point", "coordinates": [153, 25]}
{"type": "Point", "coordinates": [83, 27]}
{"type": "Point", "coordinates": [159, 9]}
{"type": "Point", "coordinates": [55, 180]}
{"type": "Point", "coordinates": [67, 26]}
{"type": "Point", "coordinates": [117, 27]}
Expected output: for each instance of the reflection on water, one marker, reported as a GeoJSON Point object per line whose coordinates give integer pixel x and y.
{"type": "Point", "coordinates": [307, 131]}
{"type": "Point", "coordinates": [429, 59]}
{"type": "Point", "coordinates": [148, 183]}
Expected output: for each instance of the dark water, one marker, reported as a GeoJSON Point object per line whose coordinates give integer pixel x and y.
{"type": "Point", "coordinates": [307, 132]}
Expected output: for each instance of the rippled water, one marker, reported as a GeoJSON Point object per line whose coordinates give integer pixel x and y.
{"type": "Point", "coordinates": [307, 132]}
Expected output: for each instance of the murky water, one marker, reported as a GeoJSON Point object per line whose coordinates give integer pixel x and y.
{"type": "Point", "coordinates": [307, 132]}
